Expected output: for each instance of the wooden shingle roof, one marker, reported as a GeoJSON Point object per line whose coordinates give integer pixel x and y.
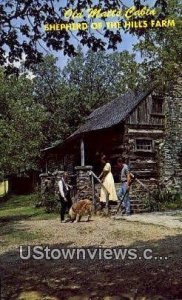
{"type": "Point", "coordinates": [108, 115]}
{"type": "Point", "coordinates": [111, 113]}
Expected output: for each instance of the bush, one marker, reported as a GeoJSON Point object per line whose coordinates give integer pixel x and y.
{"type": "Point", "coordinates": [164, 198]}
{"type": "Point", "coordinates": [47, 199]}
{"type": "Point", "coordinates": [50, 203]}
{"type": "Point", "coordinates": [151, 204]}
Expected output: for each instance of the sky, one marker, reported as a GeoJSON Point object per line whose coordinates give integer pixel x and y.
{"type": "Point", "coordinates": [127, 44]}
{"type": "Point", "coordinates": [127, 39]}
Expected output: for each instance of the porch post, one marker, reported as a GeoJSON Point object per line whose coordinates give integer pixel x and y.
{"type": "Point", "coordinates": [46, 166]}
{"type": "Point", "coordinates": [82, 150]}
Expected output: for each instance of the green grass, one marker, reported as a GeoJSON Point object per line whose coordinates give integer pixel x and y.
{"type": "Point", "coordinates": [173, 205]}
{"type": "Point", "coordinates": [23, 207]}
{"type": "Point", "coordinates": [15, 210]}
{"type": "Point", "coordinates": [12, 235]}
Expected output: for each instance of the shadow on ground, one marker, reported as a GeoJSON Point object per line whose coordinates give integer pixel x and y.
{"type": "Point", "coordinates": [141, 279]}
{"type": "Point", "coordinates": [11, 228]}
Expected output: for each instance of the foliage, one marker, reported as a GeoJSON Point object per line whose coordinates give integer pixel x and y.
{"type": "Point", "coordinates": [151, 204]}
{"type": "Point", "coordinates": [48, 198]}
{"type": "Point", "coordinates": [37, 112]}
{"type": "Point", "coordinates": [94, 79]}
{"type": "Point", "coordinates": [164, 198]}
{"type": "Point", "coordinates": [88, 81]}
{"type": "Point", "coordinates": [161, 49]}
{"type": "Point", "coordinates": [22, 28]}
{"type": "Point", "coordinates": [166, 195]}
{"type": "Point", "coordinates": [20, 125]}
{"type": "Point", "coordinates": [1, 176]}
{"type": "Point", "coordinates": [49, 91]}
{"type": "Point", "coordinates": [50, 204]}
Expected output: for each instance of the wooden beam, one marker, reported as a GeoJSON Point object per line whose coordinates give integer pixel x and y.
{"type": "Point", "coordinates": [46, 166]}
{"type": "Point", "coordinates": [82, 151]}
{"type": "Point", "coordinates": [97, 178]}
{"type": "Point", "coordinates": [93, 194]}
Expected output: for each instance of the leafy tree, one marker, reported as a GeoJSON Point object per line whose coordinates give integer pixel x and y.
{"type": "Point", "coordinates": [94, 79]}
{"type": "Point", "coordinates": [88, 81]}
{"type": "Point", "coordinates": [46, 82]}
{"type": "Point", "coordinates": [161, 48]}
{"type": "Point", "coordinates": [126, 72]}
{"type": "Point", "coordinates": [20, 125]}
{"type": "Point", "coordinates": [48, 91]}
{"type": "Point", "coordinates": [22, 28]}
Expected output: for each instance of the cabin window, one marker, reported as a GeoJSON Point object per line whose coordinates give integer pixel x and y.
{"type": "Point", "coordinates": [143, 145]}
{"type": "Point", "coordinates": [157, 104]}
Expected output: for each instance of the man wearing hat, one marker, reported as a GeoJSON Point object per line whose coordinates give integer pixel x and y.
{"type": "Point", "coordinates": [64, 194]}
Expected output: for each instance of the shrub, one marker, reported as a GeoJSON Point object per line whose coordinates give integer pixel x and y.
{"type": "Point", "coordinates": [46, 199]}
{"type": "Point", "coordinates": [50, 203]}
{"type": "Point", "coordinates": [164, 198]}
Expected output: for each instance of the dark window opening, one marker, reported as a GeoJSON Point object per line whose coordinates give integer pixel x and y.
{"type": "Point", "coordinates": [143, 145]}
{"type": "Point", "coordinates": [157, 104]}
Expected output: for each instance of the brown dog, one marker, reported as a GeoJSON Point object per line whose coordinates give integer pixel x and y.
{"type": "Point", "coordinates": [79, 209]}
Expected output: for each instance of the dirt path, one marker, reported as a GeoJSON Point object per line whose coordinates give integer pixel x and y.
{"type": "Point", "coordinates": [111, 279]}
{"type": "Point", "coordinates": [100, 231]}
{"type": "Point", "coordinates": [170, 219]}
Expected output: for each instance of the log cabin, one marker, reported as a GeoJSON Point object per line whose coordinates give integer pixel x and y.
{"type": "Point", "coordinates": [144, 127]}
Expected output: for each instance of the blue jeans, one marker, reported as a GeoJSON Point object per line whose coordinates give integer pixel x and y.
{"type": "Point", "coordinates": [126, 200]}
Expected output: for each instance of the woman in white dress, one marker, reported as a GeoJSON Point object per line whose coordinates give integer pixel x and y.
{"type": "Point", "coordinates": [108, 181]}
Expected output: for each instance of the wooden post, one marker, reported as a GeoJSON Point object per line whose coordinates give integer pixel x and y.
{"type": "Point", "coordinates": [46, 167]}
{"type": "Point", "coordinates": [93, 194]}
{"type": "Point", "coordinates": [82, 150]}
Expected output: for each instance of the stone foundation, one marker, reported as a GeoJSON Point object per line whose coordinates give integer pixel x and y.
{"type": "Point", "coordinates": [84, 183]}
{"type": "Point", "coordinates": [51, 180]}
{"type": "Point", "coordinates": [44, 177]}
{"type": "Point", "coordinates": [170, 150]}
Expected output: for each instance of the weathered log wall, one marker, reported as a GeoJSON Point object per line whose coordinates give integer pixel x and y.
{"type": "Point", "coordinates": [143, 130]}
{"type": "Point", "coordinates": [148, 113]}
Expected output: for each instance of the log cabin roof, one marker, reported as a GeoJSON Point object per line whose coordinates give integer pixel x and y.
{"type": "Point", "coordinates": [108, 115]}
{"type": "Point", "coordinates": [111, 113]}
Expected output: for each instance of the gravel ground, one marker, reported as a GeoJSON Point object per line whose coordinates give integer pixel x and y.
{"type": "Point", "coordinates": [135, 279]}
{"type": "Point", "coordinates": [100, 231]}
